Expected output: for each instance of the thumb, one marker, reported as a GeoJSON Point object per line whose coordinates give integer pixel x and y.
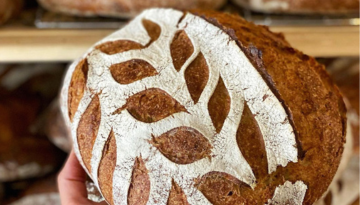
{"type": "Point", "coordinates": [71, 183]}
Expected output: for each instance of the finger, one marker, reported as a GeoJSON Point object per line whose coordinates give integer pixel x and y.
{"type": "Point", "coordinates": [72, 169]}
{"type": "Point", "coordinates": [71, 182]}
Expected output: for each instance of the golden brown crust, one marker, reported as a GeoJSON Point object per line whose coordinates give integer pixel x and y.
{"type": "Point", "coordinates": [77, 87]}
{"type": "Point", "coordinates": [251, 143]}
{"type": "Point", "coordinates": [151, 105]}
{"type": "Point", "coordinates": [9, 9]}
{"type": "Point", "coordinates": [356, 202]}
{"type": "Point", "coordinates": [312, 102]}
{"type": "Point", "coordinates": [296, 79]}
{"type": "Point", "coordinates": [107, 167]}
{"type": "Point", "coordinates": [181, 49]}
{"type": "Point", "coordinates": [219, 105]}
{"type": "Point", "coordinates": [183, 145]}
{"type": "Point", "coordinates": [87, 130]}
{"type": "Point", "coordinates": [114, 47]}
{"type": "Point", "coordinates": [131, 71]}
{"type": "Point", "coordinates": [221, 188]}
{"type": "Point", "coordinates": [328, 199]}
{"type": "Point", "coordinates": [177, 196]}
{"type": "Point", "coordinates": [152, 28]}
{"type": "Point", "coordinates": [197, 76]}
{"type": "Point", "coordinates": [139, 189]}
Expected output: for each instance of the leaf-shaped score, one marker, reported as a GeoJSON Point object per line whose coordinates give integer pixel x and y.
{"type": "Point", "coordinates": [139, 189]}
{"type": "Point", "coordinates": [151, 105]}
{"type": "Point", "coordinates": [232, 190]}
{"type": "Point", "coordinates": [251, 143]}
{"type": "Point", "coordinates": [77, 87]}
{"type": "Point", "coordinates": [177, 195]}
{"type": "Point", "coordinates": [107, 167]}
{"type": "Point", "coordinates": [152, 29]}
{"type": "Point", "coordinates": [131, 71]}
{"type": "Point", "coordinates": [113, 47]}
{"type": "Point", "coordinates": [182, 145]}
{"type": "Point", "coordinates": [197, 76]}
{"type": "Point", "coordinates": [181, 49]}
{"type": "Point", "coordinates": [219, 105]}
{"type": "Point", "coordinates": [88, 129]}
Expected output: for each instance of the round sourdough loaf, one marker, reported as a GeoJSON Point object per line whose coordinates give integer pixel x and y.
{"type": "Point", "coordinates": [335, 193]}
{"type": "Point", "coordinates": [301, 6]}
{"type": "Point", "coordinates": [203, 108]}
{"type": "Point", "coordinates": [41, 192]}
{"type": "Point", "coordinates": [24, 92]}
{"type": "Point", "coordinates": [123, 8]}
{"type": "Point", "coordinates": [9, 9]}
{"type": "Point", "coordinates": [345, 73]}
{"type": "Point", "coordinates": [345, 189]}
{"type": "Point", "coordinates": [55, 128]}
{"type": "Point", "coordinates": [23, 154]}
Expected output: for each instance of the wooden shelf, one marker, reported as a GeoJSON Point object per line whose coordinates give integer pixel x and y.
{"type": "Point", "coordinates": [331, 41]}
{"type": "Point", "coordinates": [27, 44]}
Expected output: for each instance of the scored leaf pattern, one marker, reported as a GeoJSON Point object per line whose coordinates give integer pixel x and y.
{"type": "Point", "coordinates": [182, 145]}
{"type": "Point", "coordinates": [88, 128]}
{"type": "Point", "coordinates": [77, 87]}
{"type": "Point", "coordinates": [131, 71]}
{"type": "Point", "coordinates": [197, 76]}
{"type": "Point", "coordinates": [107, 167]}
{"type": "Point", "coordinates": [177, 195]}
{"type": "Point", "coordinates": [113, 47]}
{"type": "Point", "coordinates": [181, 49]}
{"type": "Point", "coordinates": [140, 184]}
{"type": "Point", "coordinates": [171, 110]}
{"type": "Point", "coordinates": [152, 29]}
{"type": "Point", "coordinates": [151, 105]}
{"type": "Point", "coordinates": [231, 192]}
{"type": "Point", "coordinates": [251, 143]}
{"type": "Point", "coordinates": [219, 105]}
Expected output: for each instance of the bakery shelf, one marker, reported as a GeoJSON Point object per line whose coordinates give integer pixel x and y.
{"type": "Point", "coordinates": [29, 44]}
{"type": "Point", "coordinates": [333, 41]}
{"type": "Point", "coordinates": [19, 43]}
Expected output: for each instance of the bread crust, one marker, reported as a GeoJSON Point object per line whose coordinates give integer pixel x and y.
{"type": "Point", "coordinates": [311, 101]}
{"type": "Point", "coordinates": [55, 128]}
{"type": "Point", "coordinates": [345, 73]}
{"type": "Point", "coordinates": [17, 115]}
{"type": "Point", "coordinates": [301, 6]}
{"type": "Point", "coordinates": [9, 9]}
{"type": "Point", "coordinates": [309, 96]}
